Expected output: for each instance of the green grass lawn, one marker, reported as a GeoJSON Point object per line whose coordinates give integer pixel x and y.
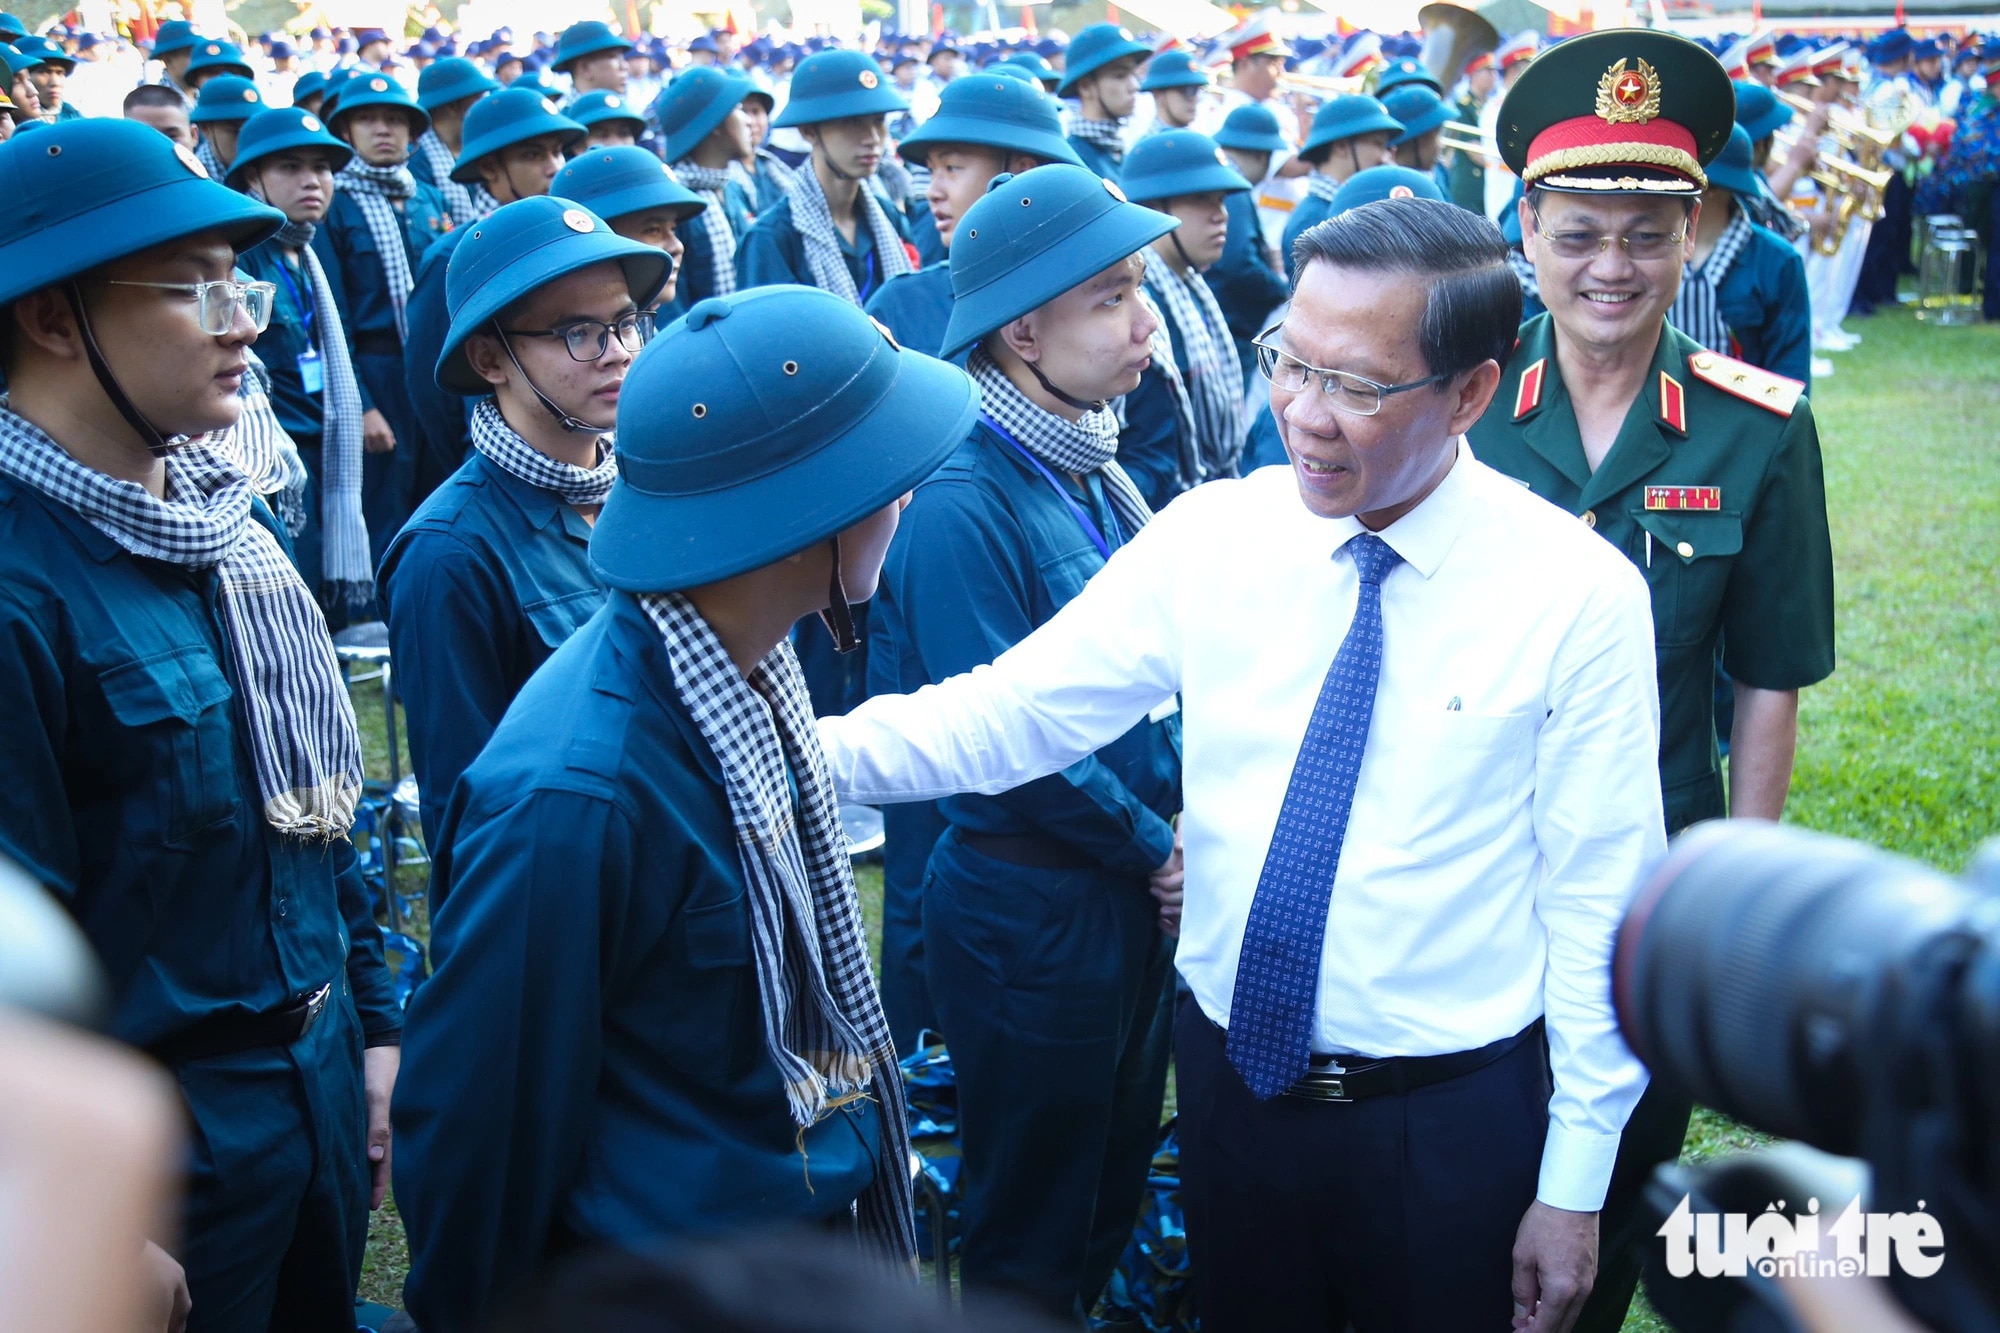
{"type": "Point", "coordinates": [1901, 748]}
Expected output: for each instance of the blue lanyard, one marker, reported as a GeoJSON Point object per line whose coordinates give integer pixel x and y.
{"type": "Point", "coordinates": [299, 301]}
{"type": "Point", "coordinates": [1082, 515]}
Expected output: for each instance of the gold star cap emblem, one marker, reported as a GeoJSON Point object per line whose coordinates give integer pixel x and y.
{"type": "Point", "coordinates": [1111, 188]}
{"type": "Point", "coordinates": [869, 78]}
{"type": "Point", "coordinates": [577, 220]}
{"type": "Point", "coordinates": [310, 123]}
{"type": "Point", "coordinates": [1628, 96]}
{"type": "Point", "coordinates": [378, 85]}
{"type": "Point", "coordinates": [190, 161]}
{"type": "Point", "coordinates": [1402, 192]}
{"type": "Point", "coordinates": [249, 94]}
{"type": "Point", "coordinates": [613, 101]}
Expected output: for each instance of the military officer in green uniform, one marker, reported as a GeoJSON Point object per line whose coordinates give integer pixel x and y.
{"type": "Point", "coordinates": [1704, 470]}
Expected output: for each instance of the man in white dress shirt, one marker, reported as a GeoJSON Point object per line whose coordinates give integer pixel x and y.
{"type": "Point", "coordinates": [1421, 723]}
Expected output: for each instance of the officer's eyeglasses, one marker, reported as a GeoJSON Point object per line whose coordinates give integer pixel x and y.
{"type": "Point", "coordinates": [1356, 395]}
{"type": "Point", "coordinates": [219, 301]}
{"type": "Point", "coordinates": [586, 339]}
{"type": "Point", "coordinates": [1640, 245]}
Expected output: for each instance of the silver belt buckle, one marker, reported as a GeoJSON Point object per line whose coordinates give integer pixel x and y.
{"type": "Point", "coordinates": [317, 1002]}
{"type": "Point", "coordinates": [1322, 1084]}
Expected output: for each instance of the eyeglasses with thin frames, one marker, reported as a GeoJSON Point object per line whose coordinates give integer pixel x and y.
{"type": "Point", "coordinates": [1638, 245]}
{"type": "Point", "coordinates": [587, 339]}
{"type": "Point", "coordinates": [219, 301]}
{"type": "Point", "coordinates": [1356, 395]}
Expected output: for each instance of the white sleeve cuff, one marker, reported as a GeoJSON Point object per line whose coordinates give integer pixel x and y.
{"type": "Point", "coordinates": [1576, 1168]}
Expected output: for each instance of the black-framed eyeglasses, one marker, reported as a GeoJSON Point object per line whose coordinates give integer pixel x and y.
{"type": "Point", "coordinates": [587, 339]}
{"type": "Point", "coordinates": [1356, 395]}
{"type": "Point", "coordinates": [218, 302]}
{"type": "Point", "coordinates": [1641, 245]}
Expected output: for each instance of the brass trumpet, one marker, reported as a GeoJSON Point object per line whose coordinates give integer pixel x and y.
{"type": "Point", "coordinates": [1849, 130]}
{"type": "Point", "coordinates": [1854, 190]}
{"type": "Point", "coordinates": [1320, 86]}
{"type": "Point", "coordinates": [1462, 138]}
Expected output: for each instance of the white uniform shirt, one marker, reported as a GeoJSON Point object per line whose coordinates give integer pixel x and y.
{"type": "Point", "coordinates": [1508, 800]}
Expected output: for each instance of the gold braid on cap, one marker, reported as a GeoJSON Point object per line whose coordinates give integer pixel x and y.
{"type": "Point", "coordinates": [1617, 154]}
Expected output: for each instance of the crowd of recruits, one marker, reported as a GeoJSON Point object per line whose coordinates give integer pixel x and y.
{"type": "Point", "coordinates": [1703, 469]}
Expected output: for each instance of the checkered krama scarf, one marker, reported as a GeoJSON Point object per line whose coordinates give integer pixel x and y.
{"type": "Point", "coordinates": [813, 216]}
{"type": "Point", "coordinates": [1213, 379]}
{"type": "Point", "coordinates": [822, 1015]}
{"type": "Point", "coordinates": [1697, 309]}
{"type": "Point", "coordinates": [378, 190]}
{"type": "Point", "coordinates": [467, 204]}
{"type": "Point", "coordinates": [712, 183]}
{"type": "Point", "coordinates": [1086, 445]}
{"type": "Point", "coordinates": [294, 703]}
{"type": "Point", "coordinates": [1108, 135]}
{"type": "Point", "coordinates": [501, 445]}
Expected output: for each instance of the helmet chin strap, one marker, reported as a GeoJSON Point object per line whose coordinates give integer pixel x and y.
{"type": "Point", "coordinates": [149, 435]}
{"type": "Point", "coordinates": [838, 617]}
{"type": "Point", "coordinates": [819, 151]}
{"type": "Point", "coordinates": [1181, 250]}
{"type": "Point", "coordinates": [574, 424]}
{"type": "Point", "coordinates": [1049, 387]}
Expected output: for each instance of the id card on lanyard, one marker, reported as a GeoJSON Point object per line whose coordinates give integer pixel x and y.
{"type": "Point", "coordinates": [1168, 706]}
{"type": "Point", "coordinates": [312, 369]}
{"type": "Point", "coordinates": [1077, 511]}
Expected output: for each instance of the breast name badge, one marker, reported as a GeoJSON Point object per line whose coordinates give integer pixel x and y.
{"type": "Point", "coordinates": [1684, 497]}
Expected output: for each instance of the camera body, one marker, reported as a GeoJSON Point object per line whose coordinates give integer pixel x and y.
{"type": "Point", "coordinates": [1849, 999]}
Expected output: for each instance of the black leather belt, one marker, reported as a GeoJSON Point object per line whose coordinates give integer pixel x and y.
{"type": "Point", "coordinates": [1036, 853]}
{"type": "Point", "coordinates": [229, 1033]}
{"type": "Point", "coordinates": [1350, 1078]}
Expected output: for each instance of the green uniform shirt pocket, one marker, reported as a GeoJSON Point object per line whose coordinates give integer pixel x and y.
{"type": "Point", "coordinates": [1687, 566]}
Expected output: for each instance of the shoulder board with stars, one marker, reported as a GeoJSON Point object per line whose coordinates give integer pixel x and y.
{"type": "Point", "coordinates": [1774, 393]}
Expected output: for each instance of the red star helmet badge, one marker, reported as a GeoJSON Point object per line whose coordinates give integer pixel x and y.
{"type": "Point", "coordinates": [1628, 96]}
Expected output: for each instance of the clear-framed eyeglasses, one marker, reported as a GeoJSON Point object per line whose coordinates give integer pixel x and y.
{"type": "Point", "coordinates": [1639, 245]}
{"type": "Point", "coordinates": [587, 339]}
{"type": "Point", "coordinates": [1356, 395]}
{"type": "Point", "coordinates": [219, 301]}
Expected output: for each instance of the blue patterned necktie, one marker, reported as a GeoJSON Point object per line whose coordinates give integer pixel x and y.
{"type": "Point", "coordinates": [1277, 976]}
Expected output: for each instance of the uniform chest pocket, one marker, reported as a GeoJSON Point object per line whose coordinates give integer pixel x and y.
{"type": "Point", "coordinates": [717, 935]}
{"type": "Point", "coordinates": [556, 618]}
{"type": "Point", "coordinates": [1453, 779]}
{"type": "Point", "coordinates": [1064, 575]}
{"type": "Point", "coordinates": [1687, 568]}
{"type": "Point", "coordinates": [174, 710]}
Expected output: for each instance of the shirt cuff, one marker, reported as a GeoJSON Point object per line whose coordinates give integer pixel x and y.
{"type": "Point", "coordinates": [392, 1037]}
{"type": "Point", "coordinates": [1576, 1168]}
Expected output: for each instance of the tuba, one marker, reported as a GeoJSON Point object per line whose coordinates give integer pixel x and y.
{"type": "Point", "coordinates": [1453, 35]}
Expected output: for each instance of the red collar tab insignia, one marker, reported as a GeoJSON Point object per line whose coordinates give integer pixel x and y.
{"type": "Point", "coordinates": [1673, 403]}
{"type": "Point", "coordinates": [1708, 498]}
{"type": "Point", "coordinates": [1628, 96]}
{"type": "Point", "coordinates": [1528, 396]}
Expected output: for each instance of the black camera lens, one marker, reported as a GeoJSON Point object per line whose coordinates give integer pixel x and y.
{"type": "Point", "coordinates": [1773, 973]}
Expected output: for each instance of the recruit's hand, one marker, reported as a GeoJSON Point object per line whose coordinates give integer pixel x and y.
{"type": "Point", "coordinates": [167, 1286]}
{"type": "Point", "coordinates": [376, 437]}
{"type": "Point", "coordinates": [1555, 1263]}
{"type": "Point", "coordinates": [378, 1078]}
{"type": "Point", "coordinates": [1168, 885]}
